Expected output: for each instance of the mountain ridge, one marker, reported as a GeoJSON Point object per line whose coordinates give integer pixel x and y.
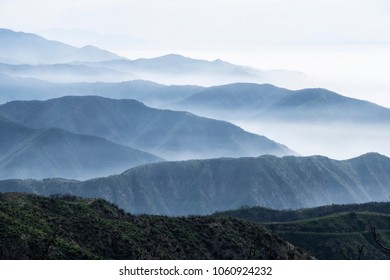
{"type": "Point", "coordinates": [205, 186]}
{"type": "Point", "coordinates": [265, 102]}
{"type": "Point", "coordinates": [34, 49]}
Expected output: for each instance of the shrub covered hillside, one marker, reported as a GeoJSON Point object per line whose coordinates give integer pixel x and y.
{"type": "Point", "coordinates": [67, 227]}
{"type": "Point", "coordinates": [353, 231]}
{"type": "Point", "coordinates": [345, 236]}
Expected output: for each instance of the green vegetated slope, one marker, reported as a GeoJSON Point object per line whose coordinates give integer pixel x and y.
{"type": "Point", "coordinates": [265, 215]}
{"type": "Point", "coordinates": [67, 227]}
{"type": "Point", "coordinates": [329, 232]}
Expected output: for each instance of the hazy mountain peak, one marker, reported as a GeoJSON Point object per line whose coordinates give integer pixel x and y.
{"type": "Point", "coordinates": [10, 33]}
{"type": "Point", "coordinates": [89, 47]}
{"type": "Point", "coordinates": [178, 58]}
{"type": "Point", "coordinates": [90, 99]}
{"type": "Point", "coordinates": [92, 54]}
{"type": "Point", "coordinates": [173, 56]}
{"type": "Point", "coordinates": [371, 156]}
{"type": "Point", "coordinates": [33, 49]}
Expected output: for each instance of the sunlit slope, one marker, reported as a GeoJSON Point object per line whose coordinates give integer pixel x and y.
{"type": "Point", "coordinates": [206, 186]}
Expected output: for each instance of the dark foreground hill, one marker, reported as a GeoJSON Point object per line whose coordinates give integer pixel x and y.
{"type": "Point", "coordinates": [266, 215]}
{"type": "Point", "coordinates": [33, 227]}
{"type": "Point", "coordinates": [329, 232]}
{"type": "Point", "coordinates": [206, 186]}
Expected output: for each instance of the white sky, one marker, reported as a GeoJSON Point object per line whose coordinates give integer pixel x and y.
{"type": "Point", "coordinates": [343, 44]}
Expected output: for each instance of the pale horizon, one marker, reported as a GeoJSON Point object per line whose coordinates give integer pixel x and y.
{"type": "Point", "coordinates": [343, 46]}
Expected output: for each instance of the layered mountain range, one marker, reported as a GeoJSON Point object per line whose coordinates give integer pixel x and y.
{"type": "Point", "coordinates": [233, 102]}
{"type": "Point", "coordinates": [289, 116]}
{"type": "Point", "coordinates": [189, 133]}
{"type": "Point", "coordinates": [29, 55]}
{"type": "Point", "coordinates": [167, 134]}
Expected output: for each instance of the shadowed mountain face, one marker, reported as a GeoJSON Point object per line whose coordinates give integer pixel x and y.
{"type": "Point", "coordinates": [168, 134]}
{"type": "Point", "coordinates": [203, 187]}
{"type": "Point", "coordinates": [28, 48]}
{"type": "Point", "coordinates": [53, 152]}
{"type": "Point", "coordinates": [66, 227]}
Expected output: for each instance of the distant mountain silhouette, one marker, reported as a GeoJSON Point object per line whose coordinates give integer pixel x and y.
{"type": "Point", "coordinates": [168, 134]}
{"type": "Point", "coordinates": [63, 73]}
{"type": "Point", "coordinates": [238, 100]}
{"type": "Point", "coordinates": [178, 64]}
{"type": "Point", "coordinates": [323, 105]}
{"type": "Point", "coordinates": [267, 102]}
{"type": "Point", "coordinates": [28, 48]}
{"type": "Point", "coordinates": [206, 186]}
{"type": "Point", "coordinates": [153, 94]}
{"type": "Point", "coordinates": [181, 70]}
{"type": "Point", "coordinates": [53, 152]}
